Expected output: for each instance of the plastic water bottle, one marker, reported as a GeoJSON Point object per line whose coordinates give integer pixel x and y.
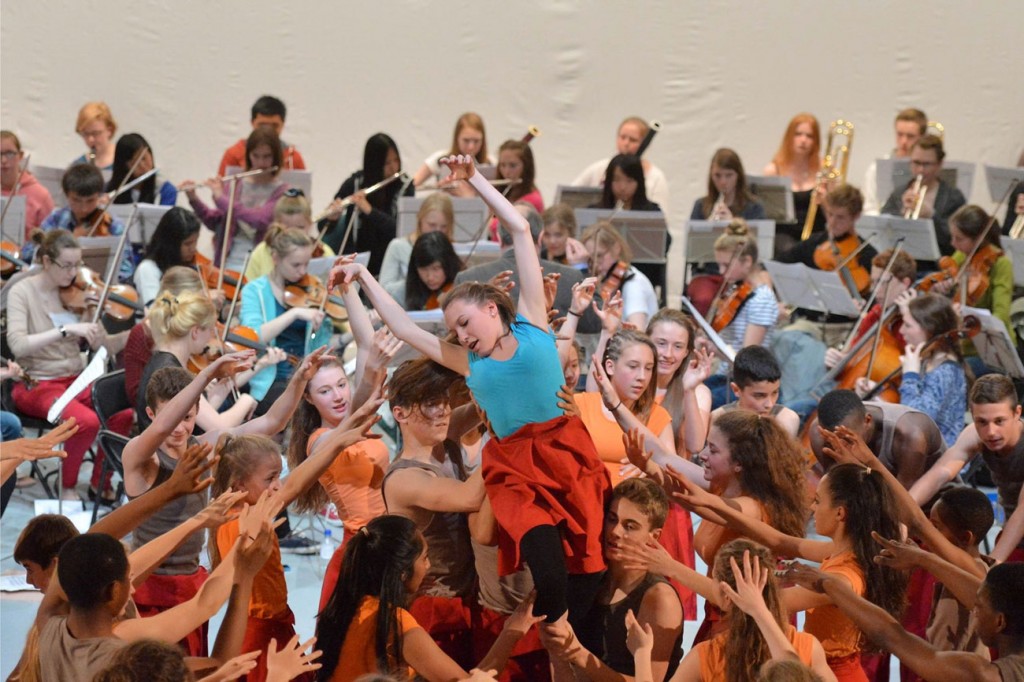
{"type": "Point", "coordinates": [327, 546]}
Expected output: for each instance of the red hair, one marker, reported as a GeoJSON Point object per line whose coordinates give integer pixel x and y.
{"type": "Point", "coordinates": [783, 158]}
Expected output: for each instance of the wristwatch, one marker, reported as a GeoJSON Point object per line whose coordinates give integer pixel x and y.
{"type": "Point", "coordinates": [63, 331]}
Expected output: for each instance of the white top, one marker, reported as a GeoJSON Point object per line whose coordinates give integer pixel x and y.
{"type": "Point", "coordinates": [395, 267]}
{"type": "Point", "coordinates": [762, 309]}
{"type": "Point", "coordinates": [638, 295]}
{"type": "Point", "coordinates": [872, 206]}
{"type": "Point", "coordinates": [147, 281]}
{"type": "Point", "coordinates": [654, 181]}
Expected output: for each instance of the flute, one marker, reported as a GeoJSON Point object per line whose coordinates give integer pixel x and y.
{"type": "Point", "coordinates": [188, 187]}
{"type": "Point", "coordinates": [337, 206]}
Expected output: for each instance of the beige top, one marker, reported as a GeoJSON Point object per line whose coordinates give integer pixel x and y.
{"type": "Point", "coordinates": [31, 312]}
{"type": "Point", "coordinates": [62, 657]}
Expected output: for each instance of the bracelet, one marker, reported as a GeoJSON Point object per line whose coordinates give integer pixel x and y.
{"type": "Point", "coordinates": [572, 312]}
{"type": "Point", "coordinates": [617, 407]}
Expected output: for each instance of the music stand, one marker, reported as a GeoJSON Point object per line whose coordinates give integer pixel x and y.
{"type": "Point", "coordinates": [13, 227]}
{"type": "Point", "coordinates": [578, 196]}
{"type": "Point", "coordinates": [146, 219]}
{"type": "Point", "coordinates": [701, 236]}
{"type": "Point", "coordinates": [300, 179]}
{"type": "Point", "coordinates": [919, 242]}
{"type": "Point", "coordinates": [1000, 178]}
{"type": "Point", "coordinates": [50, 177]}
{"type": "Point", "coordinates": [644, 231]}
{"type": "Point", "coordinates": [485, 252]}
{"type": "Point", "coordinates": [321, 267]}
{"type": "Point", "coordinates": [819, 290]}
{"type": "Point", "coordinates": [470, 214]}
{"type": "Point", "coordinates": [776, 193]}
{"type": "Point", "coordinates": [993, 342]}
{"type": "Point", "coordinates": [1015, 247]}
{"type": "Point", "coordinates": [96, 252]}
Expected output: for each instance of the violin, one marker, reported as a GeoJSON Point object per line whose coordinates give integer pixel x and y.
{"type": "Point", "coordinates": [703, 291]}
{"type": "Point", "coordinates": [232, 340]}
{"type": "Point", "coordinates": [211, 275]}
{"type": "Point", "coordinates": [978, 274]}
{"type": "Point", "coordinates": [10, 261]}
{"type": "Point", "coordinates": [838, 254]}
{"type": "Point", "coordinates": [947, 272]}
{"type": "Point", "coordinates": [876, 359]}
{"type": "Point", "coordinates": [614, 279]}
{"type": "Point", "coordinates": [121, 304]}
{"type": "Point", "coordinates": [728, 304]}
{"type": "Point", "coordinates": [96, 224]}
{"type": "Point", "coordinates": [309, 292]}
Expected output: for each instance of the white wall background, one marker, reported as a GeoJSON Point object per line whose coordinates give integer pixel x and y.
{"type": "Point", "coordinates": [185, 72]}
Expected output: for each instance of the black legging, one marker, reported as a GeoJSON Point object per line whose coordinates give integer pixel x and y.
{"type": "Point", "coordinates": [557, 591]}
{"type": "Point", "coordinates": [7, 491]}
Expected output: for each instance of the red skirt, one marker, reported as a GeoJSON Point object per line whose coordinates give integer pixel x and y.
{"type": "Point", "coordinates": [528, 661]}
{"type": "Point", "coordinates": [848, 668]}
{"type": "Point", "coordinates": [548, 474]}
{"type": "Point", "coordinates": [259, 632]}
{"type": "Point", "coordinates": [333, 570]}
{"type": "Point", "coordinates": [448, 622]}
{"type": "Point", "coordinates": [161, 592]}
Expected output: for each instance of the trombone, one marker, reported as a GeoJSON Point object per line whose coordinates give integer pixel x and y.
{"type": "Point", "coordinates": [833, 166]}
{"type": "Point", "coordinates": [937, 129]}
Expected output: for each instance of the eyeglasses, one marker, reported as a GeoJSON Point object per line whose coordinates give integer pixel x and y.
{"type": "Point", "coordinates": [68, 267]}
{"type": "Point", "coordinates": [9, 155]}
{"type": "Point", "coordinates": [923, 164]}
{"type": "Point", "coordinates": [293, 192]}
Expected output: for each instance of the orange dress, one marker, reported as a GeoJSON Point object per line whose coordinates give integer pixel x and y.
{"type": "Point", "coordinates": [359, 650]}
{"type": "Point", "coordinates": [838, 635]}
{"type": "Point", "coordinates": [711, 653]}
{"type": "Point", "coordinates": [353, 483]}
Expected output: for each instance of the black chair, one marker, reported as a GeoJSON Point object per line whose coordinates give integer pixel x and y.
{"type": "Point", "coordinates": [112, 449]}
{"type": "Point", "coordinates": [40, 426]}
{"type": "Point", "coordinates": [109, 397]}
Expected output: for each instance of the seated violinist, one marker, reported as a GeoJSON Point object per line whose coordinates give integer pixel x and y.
{"type": "Point", "coordinates": [84, 217]}
{"type": "Point", "coordinates": [38, 202]}
{"type": "Point", "coordinates": [610, 258]}
{"type": "Point", "coordinates": [297, 329]}
{"type": "Point", "coordinates": [989, 278]}
{"type": "Point", "coordinates": [905, 440]}
{"type": "Point", "coordinates": [927, 194]}
{"type": "Point", "coordinates": [291, 210]}
{"type": "Point", "coordinates": [44, 337]}
{"type": "Point", "coordinates": [173, 243]}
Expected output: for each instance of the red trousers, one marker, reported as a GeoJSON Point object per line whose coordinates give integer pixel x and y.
{"type": "Point", "coordinates": [677, 538]}
{"type": "Point", "coordinates": [161, 592]}
{"type": "Point", "coordinates": [37, 402]}
{"type": "Point", "coordinates": [333, 571]}
{"type": "Point", "coordinates": [259, 632]}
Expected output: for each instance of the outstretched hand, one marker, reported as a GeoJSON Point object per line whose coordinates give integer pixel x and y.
{"type": "Point", "coordinates": [897, 554]}
{"type": "Point", "coordinates": [26, 449]}
{"type": "Point", "coordinates": [846, 447]}
{"type": "Point", "coordinates": [460, 167]}
{"type": "Point", "coordinates": [293, 660]}
{"type": "Point", "coordinates": [187, 478]}
{"type": "Point", "coordinates": [638, 637]}
{"type": "Point", "coordinates": [608, 395]}
{"type": "Point", "coordinates": [698, 369]}
{"type": "Point", "coordinates": [343, 272]}
{"type": "Point", "coordinates": [750, 581]}
{"type": "Point", "coordinates": [806, 576]}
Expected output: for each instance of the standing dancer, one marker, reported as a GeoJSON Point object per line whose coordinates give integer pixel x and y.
{"type": "Point", "coordinates": [542, 474]}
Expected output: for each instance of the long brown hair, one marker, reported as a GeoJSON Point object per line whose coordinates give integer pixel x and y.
{"type": "Point", "coordinates": [940, 322]}
{"type": "Point", "coordinates": [525, 154]}
{"type": "Point", "coordinates": [745, 647]}
{"type": "Point", "coordinates": [616, 346]}
{"type": "Point", "coordinates": [727, 159]}
{"type": "Point", "coordinates": [771, 467]}
{"type": "Point", "coordinates": [673, 399]}
{"type": "Point", "coordinates": [305, 421]}
{"type": "Point", "coordinates": [783, 158]}
{"type": "Point", "coordinates": [480, 294]}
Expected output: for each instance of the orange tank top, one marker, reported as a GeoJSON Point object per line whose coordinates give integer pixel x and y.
{"type": "Point", "coordinates": [607, 434]}
{"type": "Point", "coordinates": [838, 635]}
{"type": "Point", "coordinates": [353, 480]}
{"type": "Point", "coordinates": [359, 650]}
{"type": "Point", "coordinates": [711, 652]}
{"type": "Point", "coordinates": [269, 590]}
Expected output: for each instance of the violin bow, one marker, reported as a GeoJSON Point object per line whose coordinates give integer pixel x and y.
{"type": "Point", "coordinates": [713, 308]}
{"type": "Point", "coordinates": [897, 247]}
{"type": "Point", "coordinates": [232, 185]}
{"type": "Point", "coordinates": [962, 276]}
{"type": "Point", "coordinates": [112, 267]}
{"type": "Point", "coordinates": [483, 226]}
{"type": "Point", "coordinates": [115, 194]}
{"type": "Point", "coordinates": [14, 193]}
{"type": "Point", "coordinates": [231, 312]}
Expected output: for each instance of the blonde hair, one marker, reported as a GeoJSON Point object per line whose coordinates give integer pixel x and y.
{"type": "Point", "coordinates": [737, 239]}
{"type": "Point", "coordinates": [95, 111]}
{"type": "Point", "coordinates": [296, 205]}
{"type": "Point", "coordinates": [174, 316]}
{"type": "Point", "coordinates": [283, 240]}
{"type": "Point", "coordinates": [604, 234]}
{"type": "Point", "coordinates": [180, 278]}
{"type": "Point", "coordinates": [438, 201]}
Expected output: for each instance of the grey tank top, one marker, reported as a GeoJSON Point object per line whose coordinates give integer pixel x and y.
{"type": "Point", "coordinates": [1011, 668]}
{"type": "Point", "coordinates": [185, 559]}
{"type": "Point", "coordinates": [891, 414]}
{"type": "Point", "coordinates": [1007, 474]}
{"type": "Point", "coordinates": [449, 548]}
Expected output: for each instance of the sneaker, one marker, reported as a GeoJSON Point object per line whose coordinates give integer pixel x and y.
{"type": "Point", "coordinates": [296, 544]}
{"type": "Point", "coordinates": [330, 515]}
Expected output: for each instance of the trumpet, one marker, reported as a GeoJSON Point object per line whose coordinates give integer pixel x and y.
{"type": "Point", "coordinates": [833, 166]}
{"type": "Point", "coordinates": [339, 205]}
{"type": "Point", "coordinates": [920, 191]}
{"type": "Point", "coordinates": [90, 157]}
{"type": "Point", "coordinates": [531, 132]}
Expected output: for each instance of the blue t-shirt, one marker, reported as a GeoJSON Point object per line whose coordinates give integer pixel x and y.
{"type": "Point", "coordinates": [292, 340]}
{"type": "Point", "coordinates": [523, 389]}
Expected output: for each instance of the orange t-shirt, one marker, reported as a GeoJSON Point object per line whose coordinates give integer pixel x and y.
{"type": "Point", "coordinates": [353, 480]}
{"type": "Point", "coordinates": [607, 434]}
{"type": "Point", "coordinates": [838, 635]}
{"type": "Point", "coordinates": [711, 653]}
{"type": "Point", "coordinates": [269, 590]}
{"type": "Point", "coordinates": [359, 650]}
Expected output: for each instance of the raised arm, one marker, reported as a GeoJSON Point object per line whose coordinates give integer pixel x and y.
{"type": "Point", "coordinates": [531, 280]}
{"type": "Point", "coordinates": [280, 413]}
{"type": "Point", "coordinates": [413, 488]}
{"type": "Point", "coordinates": [450, 355]}
{"type": "Point", "coordinates": [948, 466]}
{"type": "Point", "coordinates": [696, 402]}
{"type": "Point", "coordinates": [905, 556]}
{"type": "Point", "coordinates": [1013, 531]}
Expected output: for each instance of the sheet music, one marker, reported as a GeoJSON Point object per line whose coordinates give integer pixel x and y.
{"type": "Point", "coordinates": [300, 179]}
{"type": "Point", "coordinates": [776, 193]}
{"type": "Point", "coordinates": [993, 342]}
{"type": "Point", "coordinates": [894, 174]}
{"type": "Point", "coordinates": [999, 179]}
{"type": "Point", "coordinates": [645, 232]}
{"type": "Point", "coordinates": [141, 229]}
{"type": "Point", "coordinates": [470, 214]}
{"type": "Point", "coordinates": [702, 234]}
{"type": "Point", "coordinates": [92, 372]}
{"type": "Point", "coordinates": [884, 230]}
{"type": "Point", "coordinates": [15, 582]}
{"type": "Point", "coordinates": [1015, 249]}
{"type": "Point", "coordinates": [724, 349]}
{"type": "Point", "coordinates": [803, 287]}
